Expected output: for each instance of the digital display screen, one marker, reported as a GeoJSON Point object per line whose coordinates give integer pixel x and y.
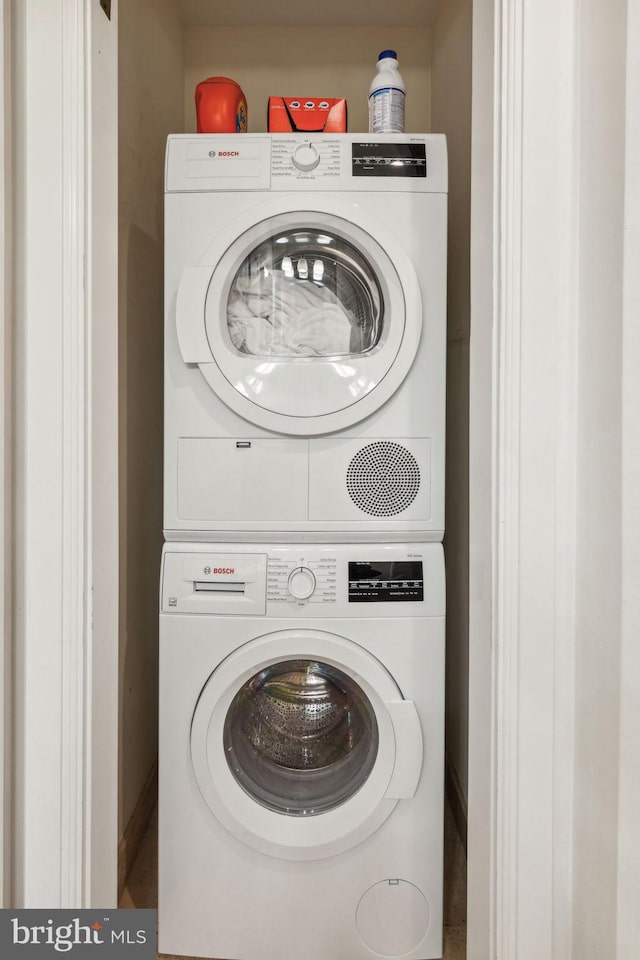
{"type": "Point", "coordinates": [386, 581]}
{"type": "Point", "coordinates": [388, 160]}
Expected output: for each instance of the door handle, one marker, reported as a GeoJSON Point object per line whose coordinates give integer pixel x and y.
{"type": "Point", "coordinates": [190, 325]}
{"type": "Point", "coordinates": [409, 749]}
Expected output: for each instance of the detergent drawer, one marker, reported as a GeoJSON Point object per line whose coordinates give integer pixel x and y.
{"type": "Point", "coordinates": [242, 479]}
{"type": "Point", "coordinates": [214, 583]}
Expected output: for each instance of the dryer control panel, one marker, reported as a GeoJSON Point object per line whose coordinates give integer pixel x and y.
{"type": "Point", "coordinates": [225, 162]}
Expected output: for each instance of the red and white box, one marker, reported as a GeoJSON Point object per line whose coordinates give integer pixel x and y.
{"type": "Point", "coordinates": [309, 115]}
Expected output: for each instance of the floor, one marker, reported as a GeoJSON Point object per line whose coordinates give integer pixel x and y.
{"type": "Point", "coordinates": [142, 885]}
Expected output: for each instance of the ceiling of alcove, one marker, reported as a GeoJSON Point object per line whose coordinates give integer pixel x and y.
{"type": "Point", "coordinates": [353, 13]}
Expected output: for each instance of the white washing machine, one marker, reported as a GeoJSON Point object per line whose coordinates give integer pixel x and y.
{"type": "Point", "coordinates": [301, 751]}
{"type": "Point", "coordinates": [305, 337]}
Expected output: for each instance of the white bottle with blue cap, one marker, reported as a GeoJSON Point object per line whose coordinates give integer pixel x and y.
{"type": "Point", "coordinates": [386, 96]}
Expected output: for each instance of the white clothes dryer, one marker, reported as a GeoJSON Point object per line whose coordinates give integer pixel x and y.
{"type": "Point", "coordinates": [301, 751]}
{"type": "Point", "coordinates": [305, 336]}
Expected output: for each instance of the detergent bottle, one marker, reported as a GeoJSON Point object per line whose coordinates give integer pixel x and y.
{"type": "Point", "coordinates": [221, 106]}
{"type": "Point", "coordinates": [386, 96]}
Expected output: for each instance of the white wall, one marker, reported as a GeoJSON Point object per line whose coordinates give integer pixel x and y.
{"type": "Point", "coordinates": [151, 106]}
{"type": "Point", "coordinates": [451, 114]}
{"type": "Point", "coordinates": [308, 61]}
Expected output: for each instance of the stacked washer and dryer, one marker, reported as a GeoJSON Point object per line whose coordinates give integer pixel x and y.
{"type": "Point", "coordinates": [303, 588]}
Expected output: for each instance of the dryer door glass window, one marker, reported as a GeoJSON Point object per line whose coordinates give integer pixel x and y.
{"type": "Point", "coordinates": [305, 293]}
{"type": "Point", "coordinates": [301, 737]}
{"type": "Point", "coordinates": [311, 322]}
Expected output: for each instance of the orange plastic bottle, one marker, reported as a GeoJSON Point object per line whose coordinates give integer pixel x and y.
{"type": "Point", "coordinates": [221, 106]}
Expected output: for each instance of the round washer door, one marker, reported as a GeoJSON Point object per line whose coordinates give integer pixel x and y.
{"type": "Point", "coordinates": [302, 744]}
{"type": "Point", "coordinates": [303, 320]}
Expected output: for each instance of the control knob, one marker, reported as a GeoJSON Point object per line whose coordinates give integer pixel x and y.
{"type": "Point", "coordinates": [306, 157]}
{"type": "Point", "coordinates": [301, 583]}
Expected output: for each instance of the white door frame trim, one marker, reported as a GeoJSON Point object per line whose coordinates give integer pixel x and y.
{"type": "Point", "coordinates": [628, 918]}
{"type": "Point", "coordinates": [66, 456]}
{"type": "Point", "coordinates": [76, 533]}
{"type": "Point", "coordinates": [6, 293]}
{"type": "Point", "coordinates": [524, 343]}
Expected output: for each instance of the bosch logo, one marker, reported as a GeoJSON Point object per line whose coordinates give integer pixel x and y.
{"type": "Point", "coordinates": [224, 153]}
{"type": "Point", "coordinates": [226, 570]}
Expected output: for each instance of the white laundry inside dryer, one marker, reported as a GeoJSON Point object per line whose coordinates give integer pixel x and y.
{"type": "Point", "coordinates": [270, 318]}
{"type": "Point", "coordinates": [304, 294]}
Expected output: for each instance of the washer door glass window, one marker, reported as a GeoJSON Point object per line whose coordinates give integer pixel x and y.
{"type": "Point", "coordinates": [300, 737]}
{"type": "Point", "coordinates": [305, 293]}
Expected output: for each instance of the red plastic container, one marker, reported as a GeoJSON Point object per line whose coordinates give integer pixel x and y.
{"type": "Point", "coordinates": [221, 106]}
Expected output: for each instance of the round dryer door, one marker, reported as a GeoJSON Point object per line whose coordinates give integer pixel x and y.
{"type": "Point", "coordinates": [303, 321]}
{"type": "Point", "coordinates": [302, 744]}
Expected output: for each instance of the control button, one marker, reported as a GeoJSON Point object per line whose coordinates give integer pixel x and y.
{"type": "Point", "coordinates": [305, 157]}
{"type": "Point", "coordinates": [301, 583]}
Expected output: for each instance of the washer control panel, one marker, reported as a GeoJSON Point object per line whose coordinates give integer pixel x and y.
{"type": "Point", "coordinates": [303, 579]}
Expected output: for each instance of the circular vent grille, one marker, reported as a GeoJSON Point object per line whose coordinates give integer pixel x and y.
{"type": "Point", "coordinates": [383, 479]}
